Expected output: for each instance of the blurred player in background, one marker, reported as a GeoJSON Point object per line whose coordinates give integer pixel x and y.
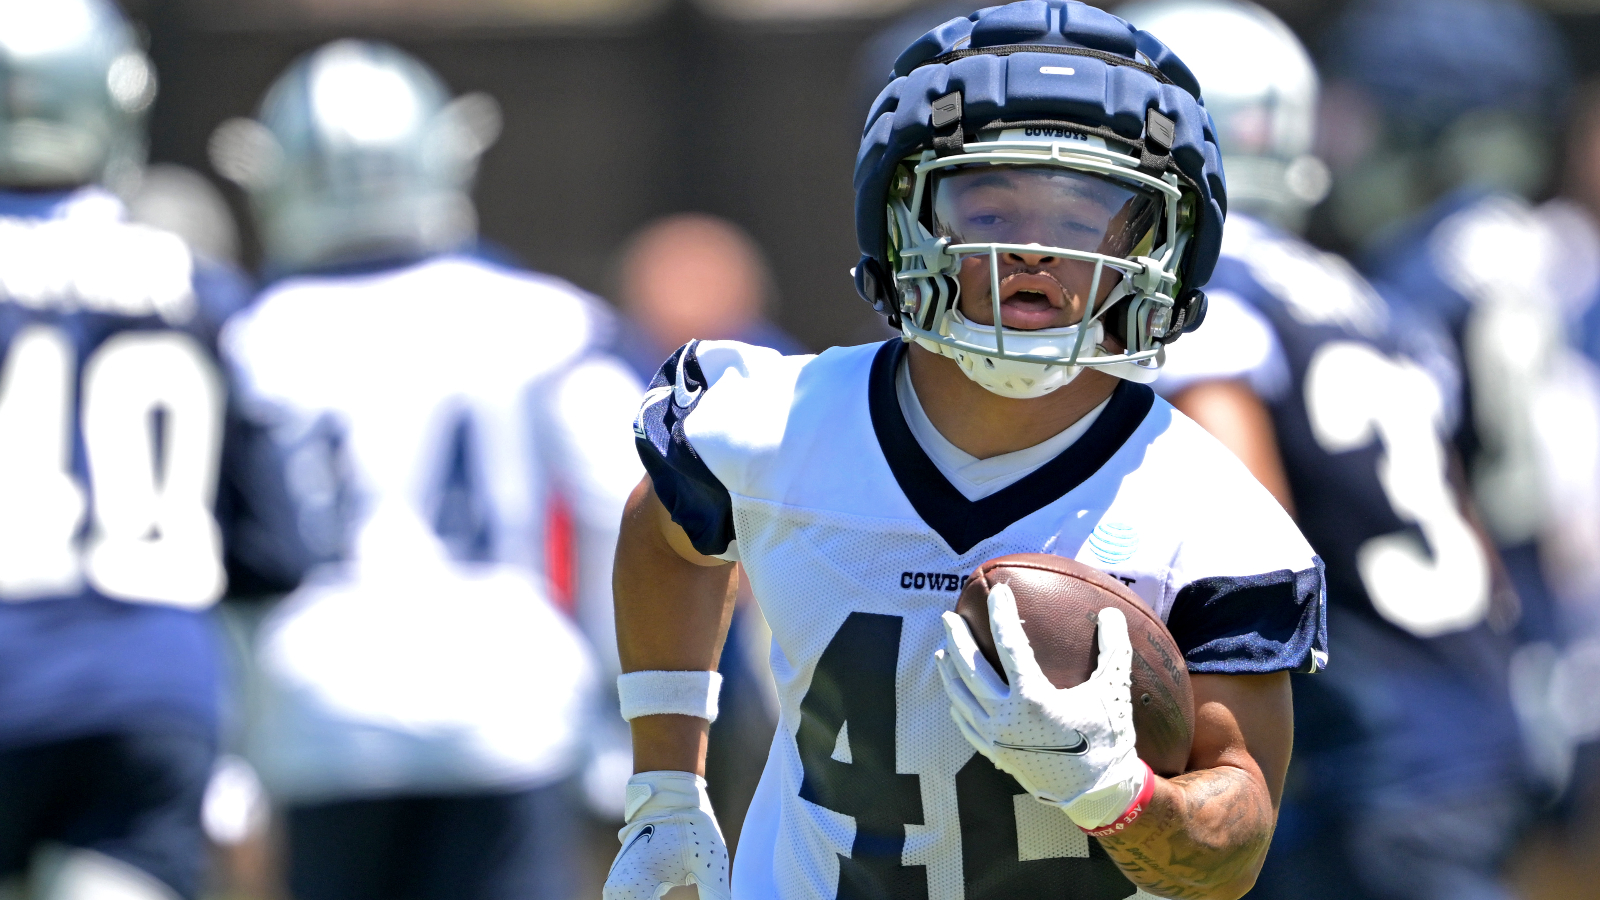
{"type": "Point", "coordinates": [1439, 127]}
{"type": "Point", "coordinates": [1556, 677]}
{"type": "Point", "coordinates": [1408, 779]}
{"type": "Point", "coordinates": [1569, 542]}
{"type": "Point", "coordinates": [116, 537]}
{"type": "Point", "coordinates": [426, 700]}
{"type": "Point", "coordinates": [695, 275]}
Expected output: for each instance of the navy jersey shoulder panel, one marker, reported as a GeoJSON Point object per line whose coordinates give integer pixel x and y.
{"type": "Point", "coordinates": [697, 500]}
{"type": "Point", "coordinates": [1274, 622]}
{"type": "Point", "coordinates": [964, 523]}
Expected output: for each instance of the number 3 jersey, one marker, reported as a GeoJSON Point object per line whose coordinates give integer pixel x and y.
{"type": "Point", "coordinates": [1364, 398]}
{"type": "Point", "coordinates": [805, 470]}
{"type": "Point", "coordinates": [119, 466]}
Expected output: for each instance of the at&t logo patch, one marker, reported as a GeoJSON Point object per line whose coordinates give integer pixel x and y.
{"type": "Point", "coordinates": [1113, 542]}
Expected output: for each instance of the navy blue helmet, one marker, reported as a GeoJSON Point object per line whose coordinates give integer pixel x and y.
{"type": "Point", "coordinates": [1055, 86]}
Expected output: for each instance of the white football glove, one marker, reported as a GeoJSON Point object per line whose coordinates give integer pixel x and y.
{"type": "Point", "coordinates": [671, 839]}
{"type": "Point", "coordinates": [1071, 748]}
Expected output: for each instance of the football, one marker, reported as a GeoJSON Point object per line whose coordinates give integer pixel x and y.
{"type": "Point", "coordinates": [1058, 600]}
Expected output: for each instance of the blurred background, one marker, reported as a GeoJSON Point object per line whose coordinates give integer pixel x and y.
{"type": "Point", "coordinates": [618, 111]}
{"type": "Point", "coordinates": [689, 163]}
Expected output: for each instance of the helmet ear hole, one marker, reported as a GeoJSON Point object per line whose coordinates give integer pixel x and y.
{"type": "Point", "coordinates": [131, 81]}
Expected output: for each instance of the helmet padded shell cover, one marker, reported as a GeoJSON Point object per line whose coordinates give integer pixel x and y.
{"type": "Point", "coordinates": [1101, 93]}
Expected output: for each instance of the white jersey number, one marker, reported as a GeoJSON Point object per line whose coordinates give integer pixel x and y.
{"type": "Point", "coordinates": [151, 421]}
{"type": "Point", "coordinates": [1354, 395]}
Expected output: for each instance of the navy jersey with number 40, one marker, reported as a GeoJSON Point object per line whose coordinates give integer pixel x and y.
{"type": "Point", "coordinates": [113, 417]}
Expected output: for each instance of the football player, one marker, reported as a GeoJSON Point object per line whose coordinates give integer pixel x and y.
{"type": "Point", "coordinates": [431, 405]}
{"type": "Point", "coordinates": [120, 478]}
{"type": "Point", "coordinates": [1408, 769]}
{"type": "Point", "coordinates": [1039, 199]}
{"type": "Point", "coordinates": [1435, 200]}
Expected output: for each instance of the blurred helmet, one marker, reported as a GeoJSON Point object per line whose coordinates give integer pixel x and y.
{"type": "Point", "coordinates": [1065, 101]}
{"type": "Point", "coordinates": [180, 200]}
{"type": "Point", "coordinates": [74, 88]}
{"type": "Point", "coordinates": [358, 154]}
{"type": "Point", "coordinates": [1261, 90]}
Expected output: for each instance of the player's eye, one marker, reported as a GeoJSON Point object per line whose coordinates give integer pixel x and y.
{"type": "Point", "coordinates": [1078, 233]}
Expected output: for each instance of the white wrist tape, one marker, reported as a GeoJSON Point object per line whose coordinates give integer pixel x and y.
{"type": "Point", "coordinates": [669, 693]}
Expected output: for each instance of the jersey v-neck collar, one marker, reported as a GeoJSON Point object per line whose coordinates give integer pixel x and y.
{"type": "Point", "coordinates": [963, 523]}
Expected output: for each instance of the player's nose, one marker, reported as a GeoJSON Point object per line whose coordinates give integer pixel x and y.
{"type": "Point", "coordinates": [1026, 258]}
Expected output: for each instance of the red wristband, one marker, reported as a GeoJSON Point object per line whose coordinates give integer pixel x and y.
{"type": "Point", "coordinates": [1133, 810]}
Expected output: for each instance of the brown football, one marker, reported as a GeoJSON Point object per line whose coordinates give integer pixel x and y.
{"type": "Point", "coordinates": [1058, 599]}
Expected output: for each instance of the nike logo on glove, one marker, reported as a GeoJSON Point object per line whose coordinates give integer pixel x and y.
{"type": "Point", "coordinates": [645, 834]}
{"type": "Point", "coordinates": [1077, 749]}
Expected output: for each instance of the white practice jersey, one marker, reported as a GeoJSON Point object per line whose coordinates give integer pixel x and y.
{"type": "Point", "coordinates": [804, 469]}
{"type": "Point", "coordinates": [430, 415]}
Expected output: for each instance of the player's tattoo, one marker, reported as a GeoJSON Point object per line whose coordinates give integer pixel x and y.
{"type": "Point", "coordinates": [1210, 832]}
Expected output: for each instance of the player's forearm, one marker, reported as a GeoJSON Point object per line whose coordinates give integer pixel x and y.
{"type": "Point", "coordinates": [672, 615]}
{"type": "Point", "coordinates": [670, 744]}
{"type": "Point", "coordinates": [1203, 837]}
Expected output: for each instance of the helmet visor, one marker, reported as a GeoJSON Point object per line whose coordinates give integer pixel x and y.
{"type": "Point", "coordinates": [1048, 205]}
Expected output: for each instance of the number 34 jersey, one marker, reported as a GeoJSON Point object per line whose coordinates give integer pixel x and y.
{"type": "Point", "coordinates": [805, 470]}
{"type": "Point", "coordinates": [1363, 394]}
{"type": "Point", "coordinates": [1364, 398]}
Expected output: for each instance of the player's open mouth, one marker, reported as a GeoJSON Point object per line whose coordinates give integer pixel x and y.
{"type": "Point", "coordinates": [1031, 300]}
